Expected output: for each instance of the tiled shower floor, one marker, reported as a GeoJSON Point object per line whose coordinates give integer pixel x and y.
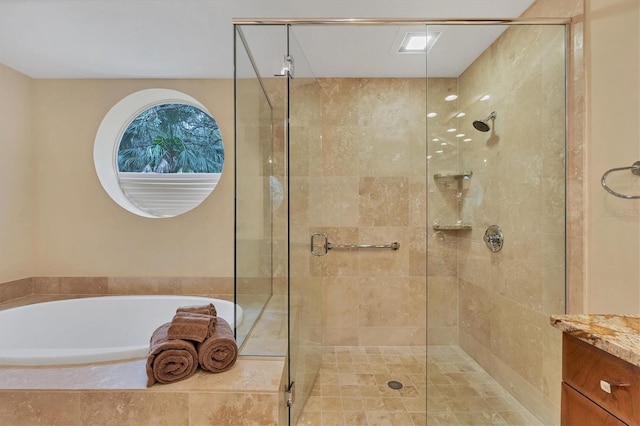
{"type": "Point", "coordinates": [351, 389]}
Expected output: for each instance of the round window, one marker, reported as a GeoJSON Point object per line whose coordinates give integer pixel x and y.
{"type": "Point", "coordinates": [158, 153]}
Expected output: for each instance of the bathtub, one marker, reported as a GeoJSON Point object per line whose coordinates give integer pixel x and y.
{"type": "Point", "coordinates": [92, 329]}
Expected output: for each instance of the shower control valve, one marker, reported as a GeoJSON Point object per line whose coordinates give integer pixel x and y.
{"type": "Point", "coordinates": [493, 238]}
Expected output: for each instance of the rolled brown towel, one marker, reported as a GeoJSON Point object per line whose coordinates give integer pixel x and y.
{"type": "Point", "coordinates": [170, 360]}
{"type": "Point", "coordinates": [191, 326]}
{"type": "Point", "coordinates": [199, 309]}
{"type": "Point", "coordinates": [219, 352]}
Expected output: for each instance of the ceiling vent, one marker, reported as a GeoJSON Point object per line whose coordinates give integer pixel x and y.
{"type": "Point", "coordinates": [418, 42]}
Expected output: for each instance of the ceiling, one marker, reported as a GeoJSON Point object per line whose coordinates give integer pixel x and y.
{"type": "Point", "coordinates": [194, 38]}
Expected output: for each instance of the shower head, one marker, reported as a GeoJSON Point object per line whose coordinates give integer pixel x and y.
{"type": "Point", "coordinates": [483, 125]}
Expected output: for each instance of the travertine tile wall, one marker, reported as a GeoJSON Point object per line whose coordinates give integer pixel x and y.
{"type": "Point", "coordinates": [83, 407]}
{"type": "Point", "coordinates": [576, 149]}
{"type": "Point", "coordinates": [443, 208]}
{"type": "Point", "coordinates": [16, 289]}
{"type": "Point", "coordinates": [504, 301]}
{"type": "Point", "coordinates": [250, 393]}
{"type": "Point", "coordinates": [221, 287]}
{"type": "Point", "coordinates": [374, 192]}
{"type": "Point", "coordinates": [519, 184]}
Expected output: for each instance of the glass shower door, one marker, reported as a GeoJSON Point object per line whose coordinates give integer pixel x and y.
{"type": "Point", "coordinates": [304, 144]}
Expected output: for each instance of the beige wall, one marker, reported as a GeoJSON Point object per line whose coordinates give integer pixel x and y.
{"type": "Point", "coordinates": [50, 189]}
{"type": "Point", "coordinates": [80, 230]}
{"type": "Point", "coordinates": [17, 198]}
{"type": "Point", "coordinates": [613, 89]}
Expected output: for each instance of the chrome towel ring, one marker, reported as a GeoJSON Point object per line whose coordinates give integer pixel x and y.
{"type": "Point", "coordinates": [635, 169]}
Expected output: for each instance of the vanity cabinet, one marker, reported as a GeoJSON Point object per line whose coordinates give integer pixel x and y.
{"type": "Point", "coordinates": [598, 388]}
{"type": "Point", "coordinates": [578, 410]}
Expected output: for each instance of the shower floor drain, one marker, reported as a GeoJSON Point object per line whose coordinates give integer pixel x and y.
{"type": "Point", "coordinates": [394, 384]}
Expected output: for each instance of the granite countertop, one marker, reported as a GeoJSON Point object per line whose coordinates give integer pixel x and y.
{"type": "Point", "coordinates": [618, 335]}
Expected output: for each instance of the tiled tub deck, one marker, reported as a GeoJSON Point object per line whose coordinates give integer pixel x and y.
{"type": "Point", "coordinates": [116, 393]}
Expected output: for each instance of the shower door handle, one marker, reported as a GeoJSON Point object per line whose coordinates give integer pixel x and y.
{"type": "Point", "coordinates": [319, 244]}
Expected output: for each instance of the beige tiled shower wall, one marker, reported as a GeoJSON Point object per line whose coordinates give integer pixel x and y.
{"type": "Point", "coordinates": [518, 183]}
{"type": "Point", "coordinates": [373, 191]}
{"type": "Point", "coordinates": [443, 208]}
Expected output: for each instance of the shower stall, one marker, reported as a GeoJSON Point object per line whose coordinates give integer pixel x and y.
{"type": "Point", "coordinates": [406, 208]}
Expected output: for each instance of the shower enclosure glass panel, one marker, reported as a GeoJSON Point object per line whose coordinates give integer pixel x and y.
{"type": "Point", "coordinates": [386, 152]}
{"type": "Point", "coordinates": [508, 170]}
{"type": "Point", "coordinates": [254, 174]}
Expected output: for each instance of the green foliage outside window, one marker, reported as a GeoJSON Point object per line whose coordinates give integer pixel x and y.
{"type": "Point", "coordinates": [171, 138]}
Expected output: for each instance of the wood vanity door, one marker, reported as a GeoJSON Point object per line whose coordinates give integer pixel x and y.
{"type": "Point", "coordinates": [578, 410]}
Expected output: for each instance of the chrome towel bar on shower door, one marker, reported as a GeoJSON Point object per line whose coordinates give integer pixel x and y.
{"type": "Point", "coordinates": [321, 240]}
{"type": "Point", "coordinates": [635, 169]}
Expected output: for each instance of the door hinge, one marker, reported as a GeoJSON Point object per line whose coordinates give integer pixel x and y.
{"type": "Point", "coordinates": [291, 394]}
{"type": "Point", "coordinates": [287, 68]}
